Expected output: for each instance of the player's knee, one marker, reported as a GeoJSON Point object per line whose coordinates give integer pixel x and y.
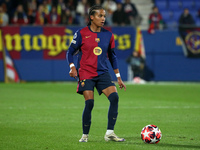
{"type": "Point", "coordinates": [89, 103]}
{"type": "Point", "coordinates": [113, 97]}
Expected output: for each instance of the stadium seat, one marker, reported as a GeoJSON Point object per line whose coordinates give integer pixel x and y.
{"type": "Point", "coordinates": [159, 0]}
{"type": "Point", "coordinates": [193, 13]}
{"type": "Point", "coordinates": [197, 4]}
{"type": "Point", "coordinates": [174, 5]}
{"type": "Point", "coordinates": [197, 22]}
{"type": "Point", "coordinates": [176, 15]}
{"type": "Point", "coordinates": [162, 5]}
{"type": "Point", "coordinates": [187, 4]}
{"type": "Point", "coordinates": [171, 24]}
{"type": "Point", "coordinates": [166, 15]}
{"type": "Point", "coordinates": [174, 0]}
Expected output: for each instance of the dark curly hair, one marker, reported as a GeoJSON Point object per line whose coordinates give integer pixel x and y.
{"type": "Point", "coordinates": [92, 11]}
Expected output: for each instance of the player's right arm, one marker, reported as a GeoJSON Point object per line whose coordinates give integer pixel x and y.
{"type": "Point", "coordinates": [73, 71]}
{"type": "Point", "coordinates": [74, 46]}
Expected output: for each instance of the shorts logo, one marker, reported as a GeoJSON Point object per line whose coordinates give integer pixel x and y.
{"type": "Point", "coordinates": [82, 84]}
{"type": "Point", "coordinates": [97, 51]}
{"type": "Point", "coordinates": [97, 40]}
{"type": "Point", "coordinates": [192, 42]}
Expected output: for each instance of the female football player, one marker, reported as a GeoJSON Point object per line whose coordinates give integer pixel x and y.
{"type": "Point", "coordinates": [95, 45]}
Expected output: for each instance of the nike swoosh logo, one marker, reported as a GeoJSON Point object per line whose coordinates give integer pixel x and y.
{"type": "Point", "coordinates": [87, 36]}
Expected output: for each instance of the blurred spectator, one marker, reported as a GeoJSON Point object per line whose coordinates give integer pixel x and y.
{"type": "Point", "coordinates": [132, 13]}
{"type": "Point", "coordinates": [4, 19]}
{"type": "Point", "coordinates": [119, 17]}
{"type": "Point", "coordinates": [41, 17]}
{"type": "Point", "coordinates": [155, 20]}
{"type": "Point", "coordinates": [20, 17]}
{"type": "Point", "coordinates": [24, 3]}
{"type": "Point", "coordinates": [39, 2]}
{"type": "Point", "coordinates": [110, 6]}
{"type": "Point", "coordinates": [82, 12]}
{"type": "Point", "coordinates": [8, 8]}
{"type": "Point", "coordinates": [137, 64]}
{"type": "Point", "coordinates": [67, 18]}
{"type": "Point", "coordinates": [32, 8]}
{"type": "Point", "coordinates": [8, 5]}
{"type": "Point", "coordinates": [54, 17]}
{"type": "Point", "coordinates": [61, 7]}
{"type": "Point", "coordinates": [4, 7]}
{"type": "Point", "coordinates": [96, 2]}
{"type": "Point", "coordinates": [186, 18]}
{"type": "Point", "coordinates": [72, 4]}
{"type": "Point", "coordinates": [47, 6]}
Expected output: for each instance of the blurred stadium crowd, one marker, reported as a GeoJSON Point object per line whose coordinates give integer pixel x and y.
{"type": "Point", "coordinates": [75, 12]}
{"type": "Point", "coordinates": [67, 12]}
{"type": "Point", "coordinates": [179, 11]}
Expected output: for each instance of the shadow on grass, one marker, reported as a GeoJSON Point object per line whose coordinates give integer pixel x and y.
{"type": "Point", "coordinates": [134, 140]}
{"type": "Point", "coordinates": [178, 146]}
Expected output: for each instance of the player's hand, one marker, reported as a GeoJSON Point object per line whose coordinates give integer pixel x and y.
{"type": "Point", "coordinates": [121, 84]}
{"type": "Point", "coordinates": [73, 72]}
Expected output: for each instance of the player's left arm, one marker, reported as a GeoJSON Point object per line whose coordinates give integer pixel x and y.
{"type": "Point", "coordinates": [119, 80]}
{"type": "Point", "coordinates": [113, 60]}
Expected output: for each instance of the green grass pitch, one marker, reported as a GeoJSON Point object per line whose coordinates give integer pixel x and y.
{"type": "Point", "coordinates": [36, 116]}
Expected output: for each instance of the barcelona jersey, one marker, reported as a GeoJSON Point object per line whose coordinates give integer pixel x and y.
{"type": "Point", "coordinates": [94, 49]}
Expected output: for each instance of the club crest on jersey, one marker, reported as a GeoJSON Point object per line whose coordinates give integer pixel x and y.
{"type": "Point", "coordinates": [97, 40]}
{"type": "Point", "coordinates": [97, 51]}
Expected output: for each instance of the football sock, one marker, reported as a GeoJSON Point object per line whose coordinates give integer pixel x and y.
{"type": "Point", "coordinates": [113, 110]}
{"type": "Point", "coordinates": [85, 134]}
{"type": "Point", "coordinates": [109, 132]}
{"type": "Point", "coordinates": [86, 118]}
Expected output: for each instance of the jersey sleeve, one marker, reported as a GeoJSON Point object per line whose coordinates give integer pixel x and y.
{"type": "Point", "coordinates": [111, 53]}
{"type": "Point", "coordinates": [74, 46]}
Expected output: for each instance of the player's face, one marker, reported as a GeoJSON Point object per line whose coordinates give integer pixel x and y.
{"type": "Point", "coordinates": [99, 18]}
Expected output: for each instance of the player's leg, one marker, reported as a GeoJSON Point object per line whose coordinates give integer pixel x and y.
{"type": "Point", "coordinates": [86, 117]}
{"type": "Point", "coordinates": [106, 86]}
{"type": "Point", "coordinates": [112, 95]}
{"type": "Point", "coordinates": [86, 87]}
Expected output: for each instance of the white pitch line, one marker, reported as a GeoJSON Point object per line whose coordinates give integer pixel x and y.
{"type": "Point", "coordinates": [106, 107]}
{"type": "Point", "coordinates": [155, 107]}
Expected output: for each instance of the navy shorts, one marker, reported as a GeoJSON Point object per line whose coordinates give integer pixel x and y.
{"type": "Point", "coordinates": [101, 82]}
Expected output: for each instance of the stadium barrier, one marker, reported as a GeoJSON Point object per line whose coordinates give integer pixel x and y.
{"type": "Point", "coordinates": [39, 53]}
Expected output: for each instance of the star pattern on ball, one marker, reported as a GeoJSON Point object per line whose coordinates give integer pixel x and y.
{"type": "Point", "coordinates": [145, 134]}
